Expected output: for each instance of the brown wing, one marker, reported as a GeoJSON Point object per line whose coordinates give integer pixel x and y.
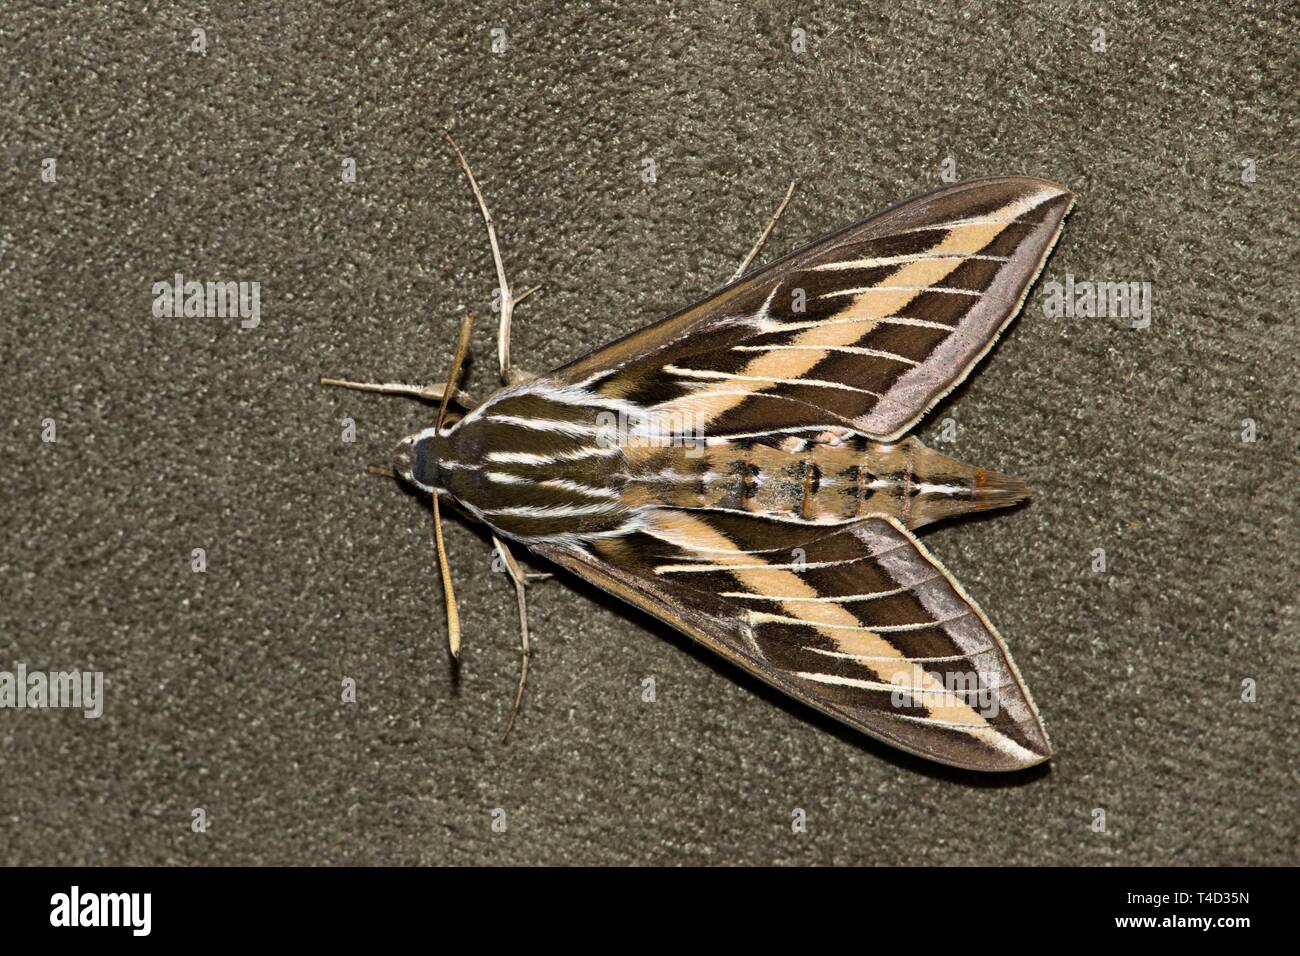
{"type": "Point", "coordinates": [864, 329]}
{"type": "Point", "coordinates": [862, 623]}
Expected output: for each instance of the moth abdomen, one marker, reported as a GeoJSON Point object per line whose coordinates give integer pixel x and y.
{"type": "Point", "coordinates": [822, 482]}
{"type": "Point", "coordinates": [934, 486]}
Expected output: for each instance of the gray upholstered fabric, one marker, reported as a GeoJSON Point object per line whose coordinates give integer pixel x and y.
{"type": "Point", "coordinates": [223, 688]}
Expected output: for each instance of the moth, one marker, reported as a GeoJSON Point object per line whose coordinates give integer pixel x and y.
{"type": "Point", "coordinates": [742, 470]}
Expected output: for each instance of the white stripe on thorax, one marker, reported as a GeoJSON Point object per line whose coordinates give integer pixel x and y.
{"type": "Point", "coordinates": [564, 484]}
{"type": "Point", "coordinates": [528, 458]}
{"type": "Point", "coordinates": [556, 425]}
{"type": "Point", "coordinates": [505, 478]}
{"type": "Point", "coordinates": [550, 511]}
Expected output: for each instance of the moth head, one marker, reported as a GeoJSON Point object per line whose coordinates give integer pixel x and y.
{"type": "Point", "coordinates": [416, 457]}
{"type": "Point", "coordinates": [416, 460]}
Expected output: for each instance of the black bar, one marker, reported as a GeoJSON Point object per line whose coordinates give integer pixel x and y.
{"type": "Point", "coordinates": [335, 906]}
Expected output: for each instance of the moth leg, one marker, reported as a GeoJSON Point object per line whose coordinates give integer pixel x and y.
{"type": "Point", "coordinates": [508, 301]}
{"type": "Point", "coordinates": [771, 224]}
{"type": "Point", "coordinates": [515, 376]}
{"type": "Point", "coordinates": [510, 374]}
{"type": "Point", "coordinates": [429, 393]}
{"type": "Point", "coordinates": [520, 580]}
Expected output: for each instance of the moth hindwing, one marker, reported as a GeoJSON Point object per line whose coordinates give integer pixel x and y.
{"type": "Point", "coordinates": [742, 469]}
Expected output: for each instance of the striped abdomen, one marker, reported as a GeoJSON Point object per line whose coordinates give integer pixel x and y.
{"type": "Point", "coordinates": [827, 478]}
{"type": "Point", "coordinates": [545, 463]}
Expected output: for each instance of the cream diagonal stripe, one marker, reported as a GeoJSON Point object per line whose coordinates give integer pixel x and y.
{"type": "Point", "coordinates": [773, 326]}
{"type": "Point", "coordinates": [830, 620]}
{"type": "Point", "coordinates": [761, 616]}
{"type": "Point", "coordinates": [874, 289]}
{"type": "Point", "coordinates": [964, 238]}
{"type": "Point", "coordinates": [942, 658]}
{"type": "Point", "coordinates": [741, 377]}
{"type": "Point", "coordinates": [847, 349]}
{"type": "Point", "coordinates": [880, 261]}
{"type": "Point", "coordinates": [847, 599]}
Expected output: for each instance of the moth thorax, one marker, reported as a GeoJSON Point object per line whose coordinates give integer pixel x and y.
{"type": "Point", "coordinates": [416, 460]}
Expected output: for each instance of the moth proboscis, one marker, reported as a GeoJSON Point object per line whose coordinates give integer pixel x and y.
{"type": "Point", "coordinates": [742, 470]}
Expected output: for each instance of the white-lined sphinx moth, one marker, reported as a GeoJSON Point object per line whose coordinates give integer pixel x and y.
{"type": "Point", "coordinates": [741, 469]}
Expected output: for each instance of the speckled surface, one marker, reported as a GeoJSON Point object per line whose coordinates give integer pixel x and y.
{"type": "Point", "coordinates": [223, 688]}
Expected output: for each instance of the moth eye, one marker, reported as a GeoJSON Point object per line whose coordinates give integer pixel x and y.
{"type": "Point", "coordinates": [424, 463]}
{"type": "Point", "coordinates": [416, 461]}
{"type": "Point", "coordinates": [403, 458]}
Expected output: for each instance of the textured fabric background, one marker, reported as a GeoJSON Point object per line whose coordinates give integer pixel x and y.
{"type": "Point", "coordinates": [223, 688]}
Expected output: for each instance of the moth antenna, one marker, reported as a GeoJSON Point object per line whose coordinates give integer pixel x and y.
{"type": "Point", "coordinates": [448, 592]}
{"type": "Point", "coordinates": [508, 301]}
{"type": "Point", "coordinates": [520, 580]}
{"type": "Point", "coordinates": [462, 349]}
{"type": "Point", "coordinates": [762, 239]}
{"type": "Point", "coordinates": [428, 393]}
